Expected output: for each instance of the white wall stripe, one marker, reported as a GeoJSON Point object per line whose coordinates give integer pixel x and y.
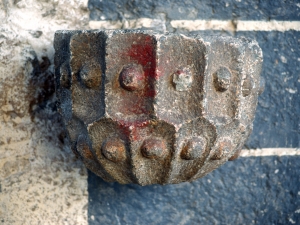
{"type": "Point", "coordinates": [238, 25]}
{"type": "Point", "coordinates": [270, 152]}
{"type": "Point", "coordinates": [127, 24]}
{"type": "Point", "coordinates": [272, 25]}
{"type": "Point", "coordinates": [195, 25]}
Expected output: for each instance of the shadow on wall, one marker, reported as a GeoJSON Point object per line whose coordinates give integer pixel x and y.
{"type": "Point", "coordinates": [43, 106]}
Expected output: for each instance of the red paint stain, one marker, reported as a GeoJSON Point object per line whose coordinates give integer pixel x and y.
{"type": "Point", "coordinates": [138, 103]}
{"type": "Point", "coordinates": [143, 52]}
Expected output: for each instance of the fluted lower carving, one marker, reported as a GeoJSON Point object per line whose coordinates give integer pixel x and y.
{"type": "Point", "coordinates": [142, 107]}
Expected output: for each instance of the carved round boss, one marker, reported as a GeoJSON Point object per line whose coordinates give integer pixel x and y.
{"type": "Point", "coordinates": [150, 108]}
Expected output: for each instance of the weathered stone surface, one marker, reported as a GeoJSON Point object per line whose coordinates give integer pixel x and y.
{"type": "Point", "coordinates": [147, 108]}
{"type": "Point", "coordinates": [41, 182]}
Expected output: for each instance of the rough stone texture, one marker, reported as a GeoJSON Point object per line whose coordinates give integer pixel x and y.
{"type": "Point", "coordinates": [40, 180]}
{"type": "Point", "coordinates": [260, 190]}
{"type": "Point", "coordinates": [148, 108]}
{"type": "Point", "coordinates": [238, 194]}
{"type": "Point", "coordinates": [276, 123]}
{"type": "Point", "coordinates": [277, 119]}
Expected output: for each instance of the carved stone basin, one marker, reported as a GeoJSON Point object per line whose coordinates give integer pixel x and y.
{"type": "Point", "coordinates": [149, 108]}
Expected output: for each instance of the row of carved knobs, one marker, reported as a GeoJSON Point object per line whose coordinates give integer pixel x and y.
{"type": "Point", "coordinates": [222, 78]}
{"type": "Point", "coordinates": [132, 78]}
{"type": "Point", "coordinates": [114, 149]}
